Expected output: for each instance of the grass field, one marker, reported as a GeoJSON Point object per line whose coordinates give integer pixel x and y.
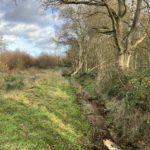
{"type": "Point", "coordinates": [38, 111]}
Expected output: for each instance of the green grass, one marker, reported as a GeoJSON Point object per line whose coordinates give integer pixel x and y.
{"type": "Point", "coordinates": [42, 115]}
{"type": "Point", "coordinates": [88, 83]}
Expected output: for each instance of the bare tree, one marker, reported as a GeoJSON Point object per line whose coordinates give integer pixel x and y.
{"type": "Point", "coordinates": [75, 33]}
{"type": "Point", "coordinates": [127, 33]}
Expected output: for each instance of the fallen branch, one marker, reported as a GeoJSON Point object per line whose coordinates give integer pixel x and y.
{"type": "Point", "coordinates": [110, 145]}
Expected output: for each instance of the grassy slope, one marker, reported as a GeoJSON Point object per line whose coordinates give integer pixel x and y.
{"type": "Point", "coordinates": [42, 114]}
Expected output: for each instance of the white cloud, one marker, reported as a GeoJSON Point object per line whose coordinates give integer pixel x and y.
{"type": "Point", "coordinates": [24, 28]}
{"type": "Point", "coordinates": [26, 21]}
{"type": "Point", "coordinates": [10, 38]}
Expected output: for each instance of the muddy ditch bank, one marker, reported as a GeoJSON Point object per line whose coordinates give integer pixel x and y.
{"type": "Point", "coordinates": [95, 113]}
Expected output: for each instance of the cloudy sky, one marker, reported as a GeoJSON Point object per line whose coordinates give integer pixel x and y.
{"type": "Point", "coordinates": [27, 27]}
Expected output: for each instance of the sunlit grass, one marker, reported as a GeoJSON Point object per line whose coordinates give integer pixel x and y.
{"type": "Point", "coordinates": [43, 115]}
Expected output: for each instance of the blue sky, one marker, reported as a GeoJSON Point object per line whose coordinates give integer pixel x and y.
{"type": "Point", "coordinates": [27, 27]}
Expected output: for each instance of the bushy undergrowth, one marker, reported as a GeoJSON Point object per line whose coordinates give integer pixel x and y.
{"type": "Point", "coordinates": [47, 61]}
{"type": "Point", "coordinates": [12, 83]}
{"type": "Point", "coordinates": [88, 82]}
{"type": "Point", "coordinates": [129, 106]}
{"type": "Point", "coordinates": [15, 60]}
{"type": "Point", "coordinates": [10, 60]}
{"type": "Point", "coordinates": [134, 88]}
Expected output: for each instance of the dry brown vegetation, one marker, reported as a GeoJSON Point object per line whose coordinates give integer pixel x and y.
{"type": "Point", "coordinates": [46, 61]}
{"type": "Point", "coordinates": [11, 60]}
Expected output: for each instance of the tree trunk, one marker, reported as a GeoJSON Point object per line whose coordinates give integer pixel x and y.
{"type": "Point", "coordinates": [79, 66]}
{"type": "Point", "coordinates": [77, 69]}
{"type": "Point", "coordinates": [124, 61]}
{"type": "Point", "coordinates": [85, 64]}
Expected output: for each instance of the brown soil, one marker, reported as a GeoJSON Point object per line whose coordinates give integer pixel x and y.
{"type": "Point", "coordinates": [95, 113]}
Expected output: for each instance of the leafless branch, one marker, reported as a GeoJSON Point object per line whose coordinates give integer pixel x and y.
{"type": "Point", "coordinates": [138, 41]}
{"type": "Point", "coordinates": [104, 31]}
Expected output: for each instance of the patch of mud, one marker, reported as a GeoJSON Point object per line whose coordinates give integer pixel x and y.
{"type": "Point", "coordinates": [95, 112]}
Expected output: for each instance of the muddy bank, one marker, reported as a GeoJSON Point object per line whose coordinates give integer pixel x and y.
{"type": "Point", "coordinates": [95, 113]}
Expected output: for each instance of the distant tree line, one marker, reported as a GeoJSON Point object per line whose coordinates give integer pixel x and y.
{"type": "Point", "coordinates": [11, 60]}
